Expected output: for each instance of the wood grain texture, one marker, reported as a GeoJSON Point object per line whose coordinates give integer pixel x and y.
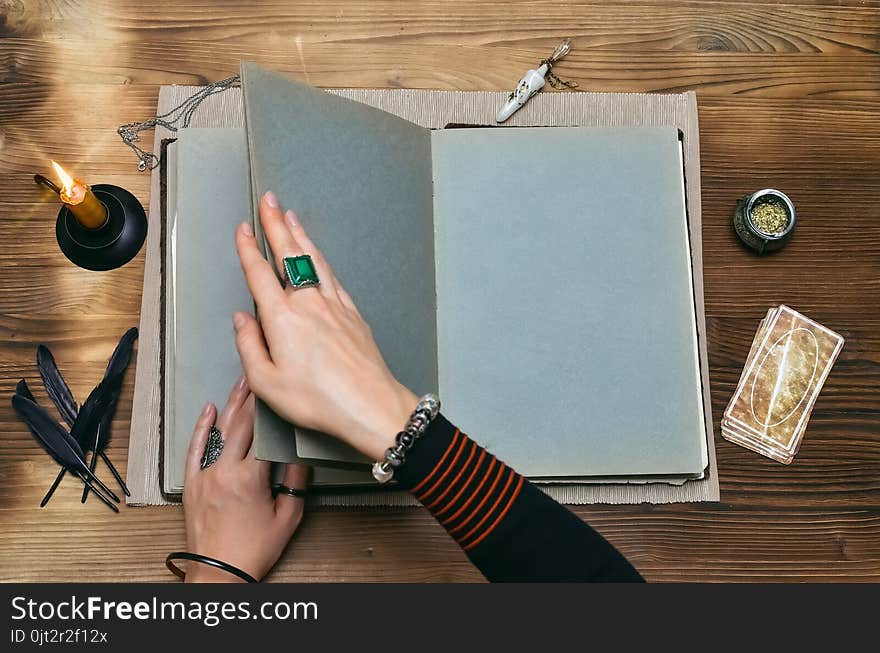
{"type": "Point", "coordinates": [428, 65]}
{"type": "Point", "coordinates": [788, 97]}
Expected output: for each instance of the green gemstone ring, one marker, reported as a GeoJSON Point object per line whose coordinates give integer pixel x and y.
{"type": "Point", "coordinates": [300, 271]}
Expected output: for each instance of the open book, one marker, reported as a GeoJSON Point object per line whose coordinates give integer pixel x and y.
{"type": "Point", "coordinates": [538, 278]}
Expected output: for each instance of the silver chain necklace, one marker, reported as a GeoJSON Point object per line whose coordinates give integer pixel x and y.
{"type": "Point", "coordinates": [178, 117]}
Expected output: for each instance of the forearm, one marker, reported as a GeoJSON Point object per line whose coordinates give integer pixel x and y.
{"type": "Point", "coordinates": [509, 529]}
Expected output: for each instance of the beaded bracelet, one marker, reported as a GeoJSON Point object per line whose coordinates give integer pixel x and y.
{"type": "Point", "coordinates": [424, 413]}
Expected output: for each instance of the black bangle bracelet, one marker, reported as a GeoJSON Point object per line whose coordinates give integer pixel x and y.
{"type": "Point", "coordinates": [205, 560]}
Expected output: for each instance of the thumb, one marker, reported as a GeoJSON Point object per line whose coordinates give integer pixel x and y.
{"type": "Point", "coordinates": [252, 350]}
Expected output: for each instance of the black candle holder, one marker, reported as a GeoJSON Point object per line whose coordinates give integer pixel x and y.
{"type": "Point", "coordinates": [111, 245]}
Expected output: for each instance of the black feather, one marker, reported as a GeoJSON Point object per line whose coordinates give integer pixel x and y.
{"type": "Point", "coordinates": [114, 376]}
{"type": "Point", "coordinates": [98, 409]}
{"type": "Point", "coordinates": [57, 388]}
{"type": "Point", "coordinates": [121, 356]}
{"type": "Point", "coordinates": [57, 442]}
{"type": "Point", "coordinates": [91, 413]}
{"type": "Point", "coordinates": [94, 461]}
{"type": "Point", "coordinates": [115, 473]}
{"type": "Point", "coordinates": [23, 390]}
{"type": "Point", "coordinates": [86, 430]}
{"type": "Point", "coordinates": [92, 427]}
{"type": "Point", "coordinates": [50, 434]}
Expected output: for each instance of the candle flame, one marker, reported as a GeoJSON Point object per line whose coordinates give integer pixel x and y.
{"type": "Point", "coordinates": [66, 179]}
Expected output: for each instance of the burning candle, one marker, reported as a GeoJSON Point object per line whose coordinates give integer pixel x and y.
{"type": "Point", "coordinates": [80, 200]}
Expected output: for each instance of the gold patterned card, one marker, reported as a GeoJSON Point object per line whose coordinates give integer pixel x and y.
{"type": "Point", "coordinates": [782, 378]}
{"type": "Point", "coordinates": [757, 340]}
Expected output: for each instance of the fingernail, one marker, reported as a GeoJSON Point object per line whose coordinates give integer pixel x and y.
{"type": "Point", "coordinates": [206, 409]}
{"type": "Point", "coordinates": [238, 321]}
{"type": "Point", "coordinates": [247, 229]}
{"type": "Point", "coordinates": [290, 218]}
{"type": "Point", "coordinates": [271, 200]}
{"type": "Point", "coordinates": [241, 383]}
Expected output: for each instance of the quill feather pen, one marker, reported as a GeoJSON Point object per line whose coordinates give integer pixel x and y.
{"type": "Point", "coordinates": [87, 429]}
{"type": "Point", "coordinates": [60, 394]}
{"type": "Point", "coordinates": [96, 414]}
{"type": "Point", "coordinates": [58, 443]}
{"type": "Point", "coordinates": [23, 390]}
{"type": "Point", "coordinates": [56, 387]}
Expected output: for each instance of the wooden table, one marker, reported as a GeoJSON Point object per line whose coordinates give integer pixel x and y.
{"type": "Point", "coordinates": [788, 97]}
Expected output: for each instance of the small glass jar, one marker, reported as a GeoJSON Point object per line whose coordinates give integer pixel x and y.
{"type": "Point", "coordinates": [764, 220]}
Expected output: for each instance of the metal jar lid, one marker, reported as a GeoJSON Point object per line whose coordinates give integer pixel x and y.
{"type": "Point", "coordinates": [751, 233]}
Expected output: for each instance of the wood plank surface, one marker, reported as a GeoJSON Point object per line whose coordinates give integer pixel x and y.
{"type": "Point", "coordinates": [789, 97]}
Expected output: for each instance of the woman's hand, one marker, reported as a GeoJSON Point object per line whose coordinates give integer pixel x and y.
{"type": "Point", "coordinates": [312, 357]}
{"type": "Point", "coordinates": [229, 509]}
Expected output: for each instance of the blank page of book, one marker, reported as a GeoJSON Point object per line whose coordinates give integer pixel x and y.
{"type": "Point", "coordinates": [204, 284]}
{"type": "Point", "coordinates": [565, 308]}
{"type": "Point", "coordinates": [360, 182]}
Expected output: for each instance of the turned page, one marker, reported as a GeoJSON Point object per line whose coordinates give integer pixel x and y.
{"type": "Point", "coordinates": [565, 308]}
{"type": "Point", "coordinates": [360, 182]}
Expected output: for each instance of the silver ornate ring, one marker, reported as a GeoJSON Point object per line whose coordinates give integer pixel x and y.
{"type": "Point", "coordinates": [213, 447]}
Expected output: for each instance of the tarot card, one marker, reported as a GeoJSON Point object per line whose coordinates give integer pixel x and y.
{"type": "Point", "coordinates": [781, 380]}
{"type": "Point", "coordinates": [748, 441]}
{"type": "Point", "coordinates": [756, 341]}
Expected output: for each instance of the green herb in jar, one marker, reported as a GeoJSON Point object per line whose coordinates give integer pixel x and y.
{"type": "Point", "coordinates": [769, 217]}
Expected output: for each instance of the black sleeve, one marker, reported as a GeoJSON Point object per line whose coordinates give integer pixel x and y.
{"type": "Point", "coordinates": [509, 529]}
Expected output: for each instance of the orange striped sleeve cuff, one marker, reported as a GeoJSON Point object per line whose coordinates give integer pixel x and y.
{"type": "Point", "coordinates": [465, 487]}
